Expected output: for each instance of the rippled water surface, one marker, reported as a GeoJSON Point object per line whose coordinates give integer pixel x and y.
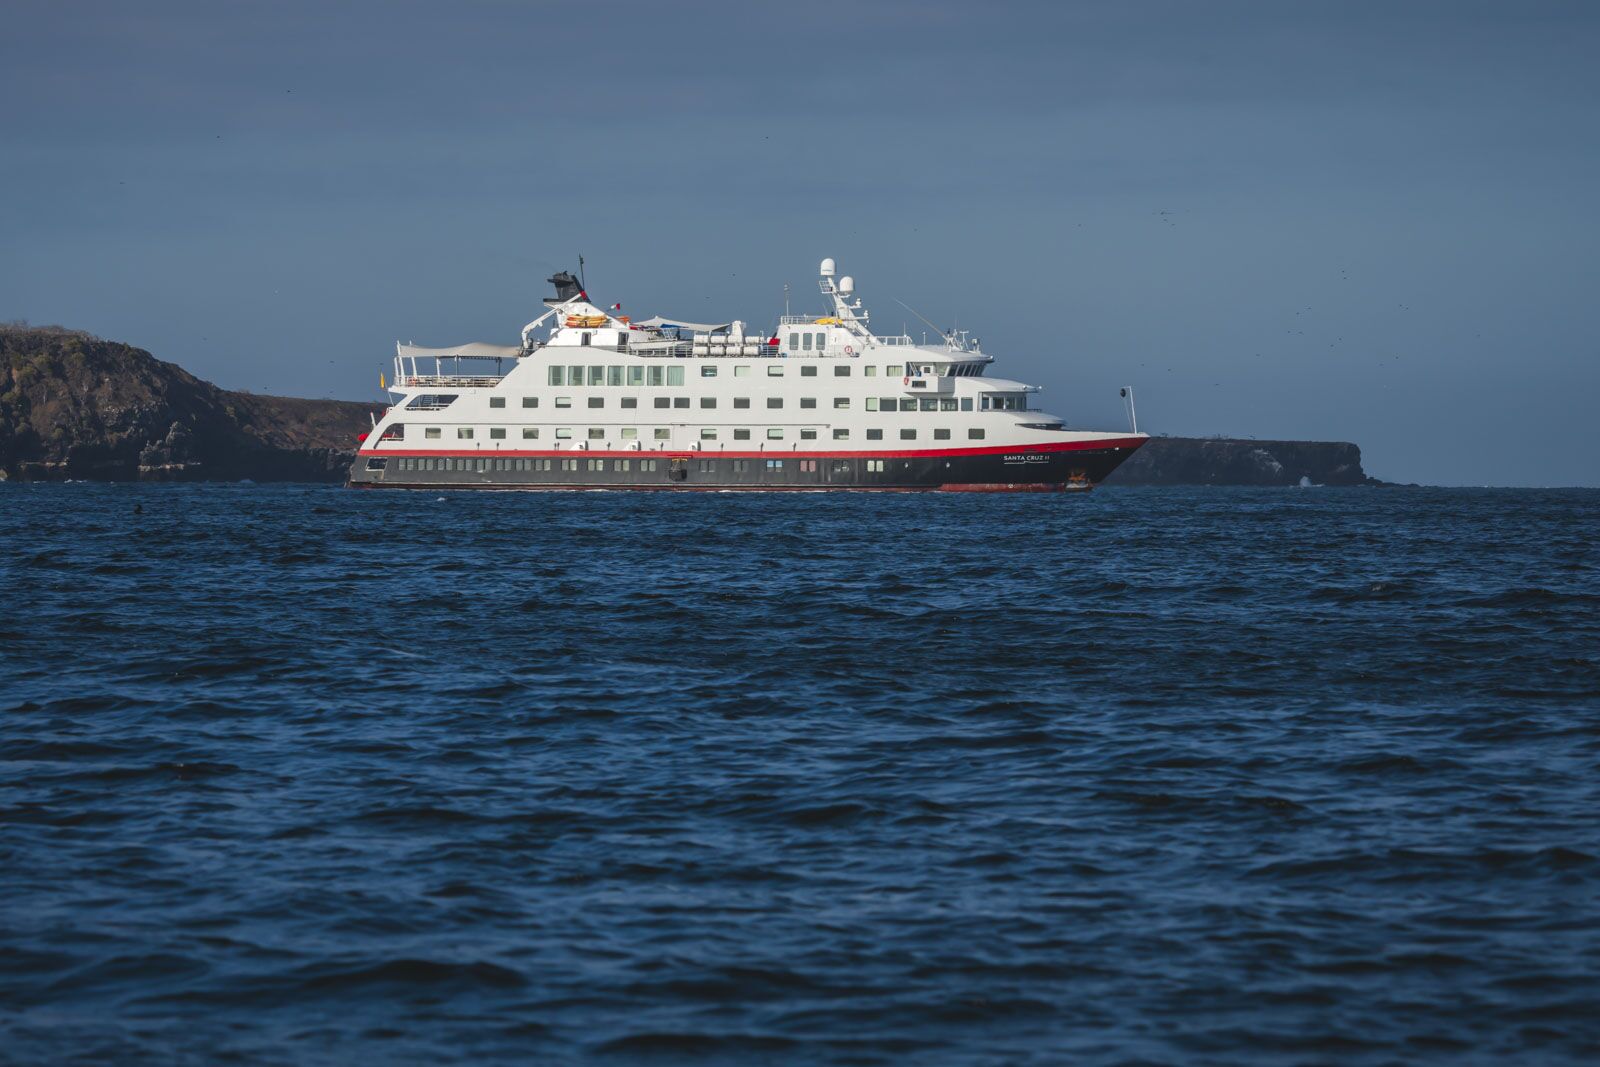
{"type": "Point", "coordinates": [307, 775]}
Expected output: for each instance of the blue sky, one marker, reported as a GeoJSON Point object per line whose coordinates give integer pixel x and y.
{"type": "Point", "coordinates": [1360, 221]}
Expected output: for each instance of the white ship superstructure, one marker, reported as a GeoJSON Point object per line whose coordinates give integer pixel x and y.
{"type": "Point", "coordinates": [590, 399]}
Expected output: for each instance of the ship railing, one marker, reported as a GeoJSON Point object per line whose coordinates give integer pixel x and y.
{"type": "Point", "coordinates": [463, 381]}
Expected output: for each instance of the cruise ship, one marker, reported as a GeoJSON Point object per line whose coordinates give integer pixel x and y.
{"type": "Point", "coordinates": [593, 400]}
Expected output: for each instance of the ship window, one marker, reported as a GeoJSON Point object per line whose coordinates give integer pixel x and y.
{"type": "Point", "coordinates": [377, 464]}
{"type": "Point", "coordinates": [530, 433]}
{"type": "Point", "coordinates": [563, 401]}
{"type": "Point", "coordinates": [432, 401]}
{"type": "Point", "coordinates": [869, 371]}
{"type": "Point", "coordinates": [597, 433]}
{"type": "Point", "coordinates": [842, 371]}
{"type": "Point", "coordinates": [708, 371]}
{"type": "Point", "coordinates": [930, 405]}
{"type": "Point", "coordinates": [808, 466]}
{"type": "Point", "coordinates": [872, 403]}
{"type": "Point", "coordinates": [841, 435]}
{"type": "Point", "coordinates": [741, 371]}
{"type": "Point", "coordinates": [874, 435]}
{"type": "Point", "coordinates": [805, 341]}
{"type": "Point", "coordinates": [774, 401]}
{"type": "Point", "coordinates": [808, 371]}
{"type": "Point", "coordinates": [622, 340]}
{"type": "Point", "coordinates": [741, 401]}
{"type": "Point", "coordinates": [708, 435]}
{"type": "Point", "coordinates": [674, 375]}
{"type": "Point", "coordinates": [941, 435]}
{"type": "Point", "coordinates": [563, 433]}
{"type": "Point", "coordinates": [624, 465]}
{"type": "Point", "coordinates": [893, 370]}
{"type": "Point", "coordinates": [656, 375]}
{"type": "Point", "coordinates": [705, 466]}
{"type": "Point", "coordinates": [630, 401]}
{"type": "Point", "coordinates": [557, 375]}
{"type": "Point", "coordinates": [569, 464]}
{"type": "Point", "coordinates": [530, 401]}
{"type": "Point", "coordinates": [794, 342]}
{"type": "Point", "coordinates": [546, 464]}
{"type": "Point", "coordinates": [597, 401]}
{"type": "Point", "coordinates": [708, 401]}
{"type": "Point", "coordinates": [966, 403]}
{"type": "Point", "coordinates": [482, 464]}
{"type": "Point", "coordinates": [741, 435]}
{"type": "Point", "coordinates": [497, 433]}
{"type": "Point", "coordinates": [774, 464]}
{"type": "Point", "coordinates": [840, 403]}
{"type": "Point", "coordinates": [635, 375]}
{"type": "Point", "coordinates": [741, 465]}
{"type": "Point", "coordinates": [464, 433]}
{"type": "Point", "coordinates": [808, 435]}
{"type": "Point", "coordinates": [497, 401]}
{"type": "Point", "coordinates": [597, 375]}
{"type": "Point", "coordinates": [614, 374]}
{"type": "Point", "coordinates": [585, 339]}
{"type": "Point", "coordinates": [874, 464]}
{"type": "Point", "coordinates": [974, 435]}
{"type": "Point", "coordinates": [680, 401]}
{"type": "Point", "coordinates": [984, 402]}
{"type": "Point", "coordinates": [808, 401]}
{"type": "Point", "coordinates": [647, 464]}
{"type": "Point", "coordinates": [908, 435]}
{"type": "Point", "coordinates": [574, 375]}
{"type": "Point", "coordinates": [663, 401]}
{"type": "Point", "coordinates": [663, 434]}
{"type": "Point", "coordinates": [774, 371]}
{"type": "Point", "coordinates": [597, 464]}
{"type": "Point", "coordinates": [841, 466]}
{"type": "Point", "coordinates": [947, 405]}
{"type": "Point", "coordinates": [775, 435]}
{"type": "Point", "coordinates": [630, 432]}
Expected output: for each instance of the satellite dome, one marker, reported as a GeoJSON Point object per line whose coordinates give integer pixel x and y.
{"type": "Point", "coordinates": [827, 268]}
{"type": "Point", "coordinates": [847, 285]}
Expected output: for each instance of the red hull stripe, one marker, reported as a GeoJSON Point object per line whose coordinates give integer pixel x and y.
{"type": "Point", "coordinates": [1128, 443]}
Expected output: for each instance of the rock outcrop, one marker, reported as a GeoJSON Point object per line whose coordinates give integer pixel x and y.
{"type": "Point", "coordinates": [1230, 461]}
{"type": "Point", "coordinates": [74, 406]}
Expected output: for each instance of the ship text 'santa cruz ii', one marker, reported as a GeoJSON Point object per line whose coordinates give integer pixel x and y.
{"type": "Point", "coordinates": [592, 400]}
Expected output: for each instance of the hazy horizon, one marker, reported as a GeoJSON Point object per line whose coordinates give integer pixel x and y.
{"type": "Point", "coordinates": [1343, 221]}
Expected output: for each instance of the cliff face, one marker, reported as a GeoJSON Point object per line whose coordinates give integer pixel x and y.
{"type": "Point", "coordinates": [74, 406]}
{"type": "Point", "coordinates": [1219, 461]}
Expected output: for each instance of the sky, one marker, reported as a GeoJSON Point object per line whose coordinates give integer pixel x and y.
{"type": "Point", "coordinates": [1362, 221]}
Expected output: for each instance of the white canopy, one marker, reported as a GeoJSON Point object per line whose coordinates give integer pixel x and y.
{"type": "Point", "coordinates": [476, 349]}
{"type": "Point", "coordinates": [698, 327]}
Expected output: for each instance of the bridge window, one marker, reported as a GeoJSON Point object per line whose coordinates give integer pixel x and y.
{"type": "Point", "coordinates": [574, 375]}
{"type": "Point", "coordinates": [930, 405]}
{"type": "Point", "coordinates": [794, 342]}
{"type": "Point", "coordinates": [805, 341]}
{"type": "Point", "coordinates": [597, 375]}
{"type": "Point", "coordinates": [657, 375]}
{"type": "Point", "coordinates": [558, 375]}
{"type": "Point", "coordinates": [674, 375]}
{"type": "Point", "coordinates": [966, 403]}
{"type": "Point", "coordinates": [614, 375]}
{"type": "Point", "coordinates": [947, 405]}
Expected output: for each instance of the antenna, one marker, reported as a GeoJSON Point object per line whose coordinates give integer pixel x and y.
{"type": "Point", "coordinates": [1133, 416]}
{"type": "Point", "coordinates": [917, 313]}
{"type": "Point", "coordinates": [581, 280]}
{"type": "Point", "coordinates": [786, 299]}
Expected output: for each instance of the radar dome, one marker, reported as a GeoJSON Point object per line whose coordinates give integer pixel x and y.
{"type": "Point", "coordinates": [847, 285]}
{"type": "Point", "coordinates": [827, 268]}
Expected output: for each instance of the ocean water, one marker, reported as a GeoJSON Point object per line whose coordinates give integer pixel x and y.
{"type": "Point", "coordinates": [313, 776]}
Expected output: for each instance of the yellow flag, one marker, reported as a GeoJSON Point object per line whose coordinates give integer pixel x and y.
{"type": "Point", "coordinates": [381, 383]}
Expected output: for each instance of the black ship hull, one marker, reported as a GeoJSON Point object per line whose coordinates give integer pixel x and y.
{"type": "Point", "coordinates": [1068, 467]}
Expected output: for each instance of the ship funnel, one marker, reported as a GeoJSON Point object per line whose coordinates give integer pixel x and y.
{"type": "Point", "coordinates": [827, 268]}
{"type": "Point", "coordinates": [566, 285]}
{"type": "Point", "coordinates": [847, 285]}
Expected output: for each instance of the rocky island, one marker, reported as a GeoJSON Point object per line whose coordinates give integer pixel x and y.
{"type": "Point", "coordinates": [73, 406]}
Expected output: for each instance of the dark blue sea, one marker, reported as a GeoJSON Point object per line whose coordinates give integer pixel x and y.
{"type": "Point", "coordinates": [302, 775]}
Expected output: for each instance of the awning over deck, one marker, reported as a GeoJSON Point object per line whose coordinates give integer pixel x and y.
{"type": "Point", "coordinates": [474, 350]}
{"type": "Point", "coordinates": [659, 323]}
